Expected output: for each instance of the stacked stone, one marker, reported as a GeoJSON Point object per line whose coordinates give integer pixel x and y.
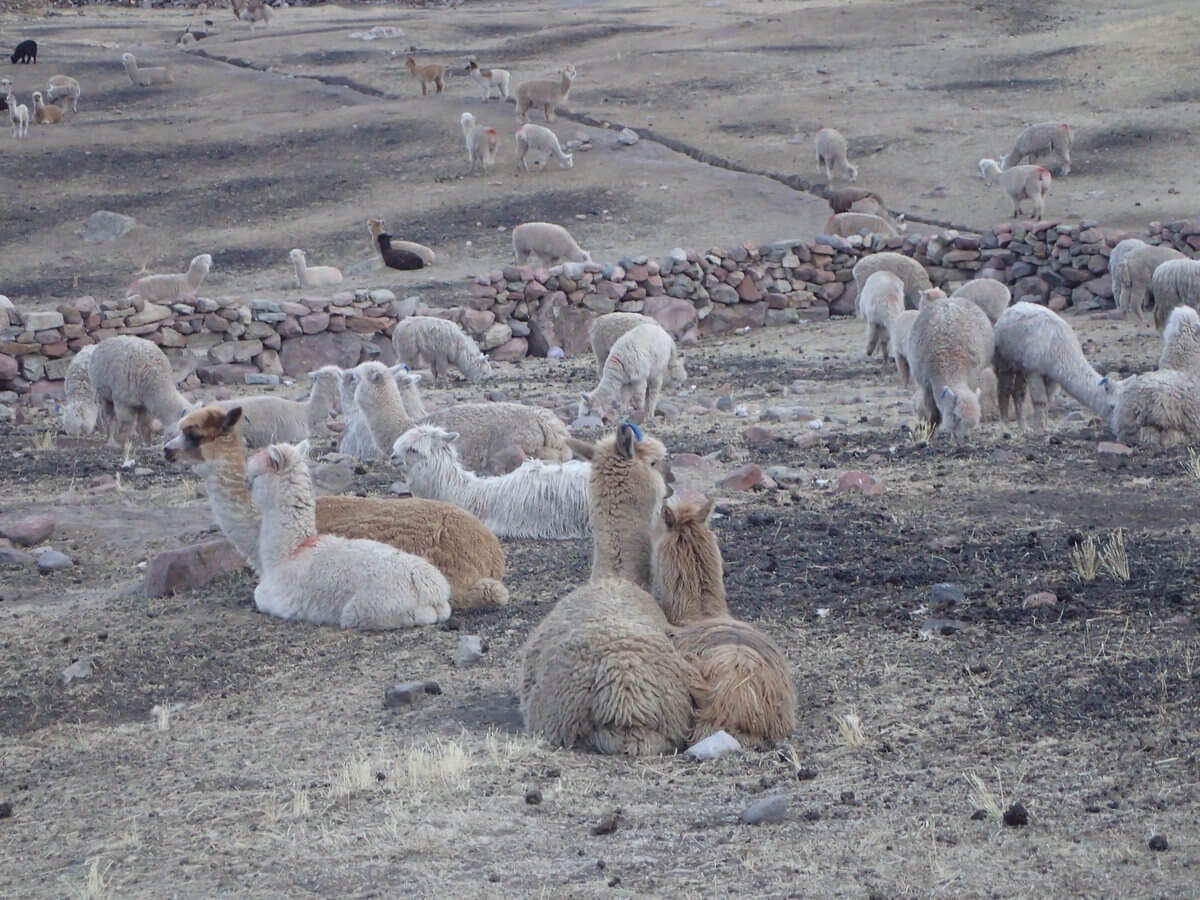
{"type": "Point", "coordinates": [518, 311]}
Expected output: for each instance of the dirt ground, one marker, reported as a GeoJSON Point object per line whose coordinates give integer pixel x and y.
{"type": "Point", "coordinates": [291, 135]}
{"type": "Point", "coordinates": [218, 752]}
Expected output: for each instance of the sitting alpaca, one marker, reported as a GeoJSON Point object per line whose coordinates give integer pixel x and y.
{"type": "Point", "coordinates": [599, 673]}
{"type": "Point", "coordinates": [744, 685]}
{"type": "Point", "coordinates": [330, 580]}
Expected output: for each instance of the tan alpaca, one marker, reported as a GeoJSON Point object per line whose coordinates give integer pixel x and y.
{"type": "Point", "coordinates": [452, 539]}
{"type": "Point", "coordinates": [432, 73]}
{"type": "Point", "coordinates": [744, 685]}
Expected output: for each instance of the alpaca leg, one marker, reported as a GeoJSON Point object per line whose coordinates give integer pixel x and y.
{"type": "Point", "coordinates": [872, 338]}
{"type": "Point", "coordinates": [902, 368]}
{"type": "Point", "coordinates": [549, 111]}
{"type": "Point", "coordinates": [440, 81]}
{"type": "Point", "coordinates": [1065, 168]}
{"type": "Point", "coordinates": [653, 389]}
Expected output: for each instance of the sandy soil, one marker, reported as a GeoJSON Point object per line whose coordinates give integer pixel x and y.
{"type": "Point", "coordinates": [217, 752]}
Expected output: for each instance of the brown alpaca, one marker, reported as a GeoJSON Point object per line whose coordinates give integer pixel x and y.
{"type": "Point", "coordinates": [743, 682]}
{"type": "Point", "coordinates": [628, 482]}
{"type": "Point", "coordinates": [450, 538]}
{"type": "Point", "coordinates": [433, 73]}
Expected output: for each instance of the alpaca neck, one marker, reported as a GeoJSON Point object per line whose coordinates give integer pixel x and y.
{"type": "Point", "coordinates": [195, 275]}
{"type": "Point", "coordinates": [299, 265]}
{"type": "Point", "coordinates": [318, 407]}
{"type": "Point", "coordinates": [235, 512]}
{"type": "Point", "coordinates": [387, 424]}
{"type": "Point", "coordinates": [442, 474]}
{"type": "Point", "coordinates": [288, 522]}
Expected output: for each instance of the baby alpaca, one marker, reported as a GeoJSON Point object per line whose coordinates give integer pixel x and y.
{"type": "Point", "coordinates": [744, 685]}
{"type": "Point", "coordinates": [1020, 183]}
{"type": "Point", "coordinates": [488, 80]}
{"type": "Point", "coordinates": [635, 370]}
{"type": "Point", "coordinates": [26, 52]}
{"type": "Point", "coordinates": [43, 114]}
{"type": "Point", "coordinates": [831, 154]}
{"type": "Point", "coordinates": [313, 276]}
{"type": "Point", "coordinates": [18, 114]}
{"type": "Point", "coordinates": [549, 242]}
{"type": "Point", "coordinates": [433, 73]}
{"type": "Point", "coordinates": [544, 144]}
{"type": "Point", "coordinates": [329, 580]}
{"type": "Point", "coordinates": [481, 143]}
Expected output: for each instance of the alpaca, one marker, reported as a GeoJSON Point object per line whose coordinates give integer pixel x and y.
{"type": "Point", "coordinates": [744, 685]}
{"type": "Point", "coordinates": [454, 541]}
{"type": "Point", "coordinates": [329, 580]}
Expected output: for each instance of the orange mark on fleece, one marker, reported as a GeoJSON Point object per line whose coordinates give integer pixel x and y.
{"type": "Point", "coordinates": [307, 544]}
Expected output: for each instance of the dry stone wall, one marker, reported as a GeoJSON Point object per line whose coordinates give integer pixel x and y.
{"type": "Point", "coordinates": [516, 311]}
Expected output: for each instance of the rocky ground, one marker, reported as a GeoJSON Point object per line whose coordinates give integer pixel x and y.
{"type": "Point", "coordinates": [240, 754]}
{"type": "Point", "coordinates": [188, 746]}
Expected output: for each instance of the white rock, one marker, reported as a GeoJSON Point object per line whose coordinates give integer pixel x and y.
{"type": "Point", "coordinates": [714, 746]}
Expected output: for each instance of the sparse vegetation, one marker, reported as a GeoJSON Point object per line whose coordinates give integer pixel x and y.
{"type": "Point", "coordinates": [1085, 558]}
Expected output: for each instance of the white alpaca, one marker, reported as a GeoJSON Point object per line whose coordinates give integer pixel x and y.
{"type": "Point", "coordinates": [481, 143]}
{"type": "Point", "coordinates": [539, 500]}
{"type": "Point", "coordinates": [637, 366]}
{"type": "Point", "coordinates": [313, 276]}
{"type": "Point", "coordinates": [329, 580]}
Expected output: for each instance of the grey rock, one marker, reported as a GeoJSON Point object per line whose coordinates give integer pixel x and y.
{"type": "Point", "coordinates": [11, 556]}
{"type": "Point", "coordinates": [400, 489]}
{"type": "Point", "coordinates": [768, 810]}
{"type": "Point", "coordinates": [193, 566]}
{"type": "Point", "coordinates": [714, 746]}
{"type": "Point", "coordinates": [333, 478]}
{"type": "Point", "coordinates": [380, 296]}
{"type": "Point", "coordinates": [628, 136]}
{"type": "Point", "coordinates": [945, 595]}
{"type": "Point", "coordinates": [80, 670]}
{"type": "Point", "coordinates": [258, 378]}
{"type": "Point", "coordinates": [104, 225]}
{"type": "Point", "coordinates": [470, 650]}
{"type": "Point", "coordinates": [405, 693]}
{"type": "Point", "coordinates": [588, 422]}
{"type": "Point", "coordinates": [51, 560]}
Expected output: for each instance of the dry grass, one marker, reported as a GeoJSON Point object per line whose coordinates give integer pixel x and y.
{"type": "Point", "coordinates": [1192, 465]}
{"type": "Point", "coordinates": [981, 796]}
{"type": "Point", "coordinates": [44, 441]}
{"type": "Point", "coordinates": [1113, 558]}
{"type": "Point", "coordinates": [923, 431]}
{"type": "Point", "coordinates": [1085, 559]}
{"type": "Point", "coordinates": [352, 778]}
{"type": "Point", "coordinates": [96, 884]}
{"type": "Point", "coordinates": [850, 729]}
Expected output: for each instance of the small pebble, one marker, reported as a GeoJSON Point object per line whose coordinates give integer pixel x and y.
{"type": "Point", "coordinates": [533, 797]}
{"type": "Point", "coordinates": [470, 650]}
{"type": "Point", "coordinates": [1158, 843]}
{"type": "Point", "coordinates": [714, 746]}
{"type": "Point", "coordinates": [1016, 816]}
{"type": "Point", "coordinates": [608, 823]}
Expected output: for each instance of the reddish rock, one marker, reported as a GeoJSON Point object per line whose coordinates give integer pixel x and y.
{"type": "Point", "coordinates": [55, 350]}
{"type": "Point", "coordinates": [1113, 455]}
{"type": "Point", "coordinates": [304, 354]}
{"type": "Point", "coordinates": [337, 324]}
{"type": "Point", "coordinates": [777, 301]}
{"type": "Point", "coordinates": [226, 373]}
{"type": "Point", "coordinates": [743, 479]}
{"type": "Point", "coordinates": [687, 459]}
{"type": "Point", "coordinates": [9, 368]}
{"type": "Point", "coordinates": [477, 321]}
{"type": "Point", "coordinates": [191, 567]}
{"type": "Point", "coordinates": [674, 314]}
{"type": "Point", "coordinates": [756, 434]}
{"type": "Point", "coordinates": [724, 319]}
{"type": "Point", "coordinates": [314, 322]}
{"type": "Point", "coordinates": [511, 350]}
{"type": "Point", "coordinates": [268, 363]}
{"type": "Point", "coordinates": [28, 531]}
{"type": "Point", "coordinates": [862, 482]}
{"type": "Point", "coordinates": [364, 324]}
{"type": "Point", "coordinates": [1040, 600]}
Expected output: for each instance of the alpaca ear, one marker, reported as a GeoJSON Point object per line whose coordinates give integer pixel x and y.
{"type": "Point", "coordinates": [397, 369]}
{"type": "Point", "coordinates": [450, 437]}
{"type": "Point", "coordinates": [625, 441]}
{"type": "Point", "coordinates": [232, 417]}
{"type": "Point", "coordinates": [668, 515]}
{"type": "Point", "coordinates": [275, 456]}
{"type": "Point", "coordinates": [582, 449]}
{"type": "Point", "coordinates": [304, 448]}
{"type": "Point", "coordinates": [706, 510]}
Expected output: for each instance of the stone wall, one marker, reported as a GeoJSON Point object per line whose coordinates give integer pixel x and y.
{"type": "Point", "coordinates": [516, 311]}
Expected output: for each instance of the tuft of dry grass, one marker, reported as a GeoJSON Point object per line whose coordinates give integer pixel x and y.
{"type": "Point", "coordinates": [44, 441]}
{"type": "Point", "coordinates": [1192, 466]}
{"type": "Point", "coordinates": [1113, 558]}
{"type": "Point", "coordinates": [983, 798]}
{"type": "Point", "coordinates": [96, 885]}
{"type": "Point", "coordinates": [444, 763]}
{"type": "Point", "coordinates": [1084, 558]}
{"type": "Point", "coordinates": [851, 730]}
{"type": "Point", "coordinates": [353, 778]}
{"type": "Point", "coordinates": [923, 431]}
{"type": "Point", "coordinates": [301, 803]}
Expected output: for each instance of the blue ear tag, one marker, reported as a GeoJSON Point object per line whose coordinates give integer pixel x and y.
{"type": "Point", "coordinates": [637, 432]}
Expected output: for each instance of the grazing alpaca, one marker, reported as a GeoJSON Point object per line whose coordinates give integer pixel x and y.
{"type": "Point", "coordinates": [330, 580]}
{"type": "Point", "coordinates": [461, 548]}
{"type": "Point", "coordinates": [744, 685]}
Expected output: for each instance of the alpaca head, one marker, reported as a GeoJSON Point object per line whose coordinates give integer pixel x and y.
{"type": "Point", "coordinates": [327, 381]}
{"type": "Point", "coordinates": [689, 574]}
{"type": "Point", "coordinates": [988, 169]}
{"type": "Point", "coordinates": [632, 454]}
{"type": "Point", "coordinates": [568, 72]}
{"type": "Point", "coordinates": [197, 431]}
{"type": "Point", "coordinates": [568, 162]}
{"type": "Point", "coordinates": [376, 227]}
{"type": "Point", "coordinates": [373, 382]}
{"type": "Point", "coordinates": [347, 384]}
{"type": "Point", "coordinates": [467, 121]}
{"type": "Point", "coordinates": [960, 410]}
{"type": "Point", "coordinates": [37, 99]}
{"type": "Point", "coordinates": [269, 468]}
{"type": "Point", "coordinates": [1183, 328]}
{"type": "Point", "coordinates": [421, 443]}
{"type": "Point", "coordinates": [201, 263]}
{"type": "Point", "coordinates": [128, 59]}
{"type": "Point", "coordinates": [297, 256]}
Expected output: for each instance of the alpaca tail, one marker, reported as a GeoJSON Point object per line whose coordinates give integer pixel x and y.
{"type": "Point", "coordinates": [483, 594]}
{"type": "Point", "coordinates": [554, 438]}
